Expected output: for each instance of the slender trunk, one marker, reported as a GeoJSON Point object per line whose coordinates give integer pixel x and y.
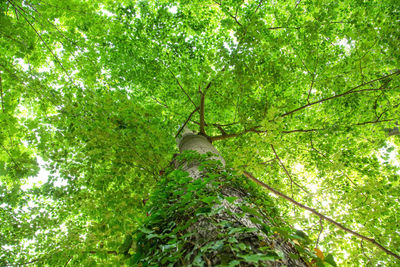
{"type": "Point", "coordinates": [207, 218]}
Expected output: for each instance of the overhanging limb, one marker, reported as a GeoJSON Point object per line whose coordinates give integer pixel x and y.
{"type": "Point", "coordinates": [321, 216]}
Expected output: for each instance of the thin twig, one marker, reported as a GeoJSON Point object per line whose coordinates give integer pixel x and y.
{"type": "Point", "coordinates": [202, 96]}
{"type": "Point", "coordinates": [336, 96]}
{"type": "Point", "coordinates": [230, 15]}
{"type": "Point", "coordinates": [298, 2]}
{"type": "Point", "coordinates": [209, 84]}
{"type": "Point", "coordinates": [159, 102]}
{"type": "Point", "coordinates": [309, 90]}
{"type": "Point", "coordinates": [320, 232]}
{"type": "Point", "coordinates": [60, 32]}
{"type": "Point", "coordinates": [372, 122]}
{"type": "Point", "coordinates": [325, 129]}
{"type": "Point", "coordinates": [47, 46]}
{"type": "Point", "coordinates": [110, 252]}
{"type": "Point", "coordinates": [184, 124]}
{"type": "Point", "coordinates": [321, 216]}
{"type": "Point", "coordinates": [70, 258]}
{"type": "Point", "coordinates": [1, 92]}
{"type": "Point", "coordinates": [180, 86]}
{"type": "Point", "coordinates": [11, 157]}
{"type": "Point", "coordinates": [313, 79]}
{"type": "Point", "coordinates": [363, 252]}
{"type": "Point", "coordinates": [305, 66]}
{"type": "Point", "coordinates": [224, 136]}
{"type": "Point", "coordinates": [13, 39]}
{"type": "Point", "coordinates": [259, 5]}
{"type": "Point", "coordinates": [303, 130]}
{"type": "Point", "coordinates": [286, 171]}
{"type": "Point", "coordinates": [330, 161]}
{"type": "Point", "coordinates": [283, 27]}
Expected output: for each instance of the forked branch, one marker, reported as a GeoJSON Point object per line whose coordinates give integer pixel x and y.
{"type": "Point", "coordinates": [321, 216]}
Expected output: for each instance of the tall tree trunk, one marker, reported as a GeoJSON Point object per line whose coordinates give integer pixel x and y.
{"type": "Point", "coordinates": [202, 216]}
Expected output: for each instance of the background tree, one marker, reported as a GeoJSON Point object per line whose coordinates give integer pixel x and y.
{"type": "Point", "coordinates": [298, 93]}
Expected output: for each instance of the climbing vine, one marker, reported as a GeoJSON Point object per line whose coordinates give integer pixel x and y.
{"type": "Point", "coordinates": [200, 222]}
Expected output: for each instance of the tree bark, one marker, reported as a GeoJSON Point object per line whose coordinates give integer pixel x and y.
{"type": "Point", "coordinates": [205, 230]}
{"type": "Point", "coordinates": [208, 218]}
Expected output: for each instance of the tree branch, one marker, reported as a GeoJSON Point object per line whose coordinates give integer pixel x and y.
{"type": "Point", "coordinates": [324, 129]}
{"type": "Point", "coordinates": [298, 2]}
{"type": "Point", "coordinates": [331, 162]}
{"type": "Point", "coordinates": [320, 232]}
{"type": "Point", "coordinates": [40, 37]}
{"type": "Point", "coordinates": [321, 216]}
{"type": "Point", "coordinates": [202, 98]}
{"type": "Point", "coordinates": [351, 91]}
{"type": "Point", "coordinates": [202, 123]}
{"type": "Point", "coordinates": [283, 27]}
{"type": "Point", "coordinates": [1, 92]}
{"type": "Point", "coordinates": [75, 43]}
{"type": "Point", "coordinates": [180, 86]}
{"type": "Point", "coordinates": [230, 15]}
{"type": "Point", "coordinates": [221, 130]}
{"type": "Point", "coordinates": [259, 5]}
{"type": "Point", "coordinates": [226, 136]}
{"type": "Point", "coordinates": [187, 120]}
{"type": "Point", "coordinates": [303, 130]}
{"type": "Point", "coordinates": [309, 90]}
{"type": "Point", "coordinates": [286, 171]}
{"type": "Point", "coordinates": [217, 125]}
{"type": "Point", "coordinates": [363, 252]}
{"type": "Point", "coordinates": [110, 252]}
{"type": "Point", "coordinates": [70, 258]}
{"type": "Point", "coordinates": [335, 96]}
{"type": "Point", "coordinates": [209, 84]}
{"type": "Point", "coordinates": [11, 157]}
{"type": "Point", "coordinates": [313, 79]}
{"type": "Point", "coordinates": [159, 102]}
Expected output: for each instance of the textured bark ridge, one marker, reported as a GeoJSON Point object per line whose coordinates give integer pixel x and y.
{"type": "Point", "coordinates": [205, 215]}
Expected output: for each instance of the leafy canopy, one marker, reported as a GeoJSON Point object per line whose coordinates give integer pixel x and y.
{"type": "Point", "coordinates": [304, 94]}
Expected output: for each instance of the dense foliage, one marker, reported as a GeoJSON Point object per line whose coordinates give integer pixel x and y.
{"type": "Point", "coordinates": [303, 94]}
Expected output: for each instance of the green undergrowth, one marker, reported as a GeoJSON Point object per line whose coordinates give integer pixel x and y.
{"type": "Point", "coordinates": [182, 205]}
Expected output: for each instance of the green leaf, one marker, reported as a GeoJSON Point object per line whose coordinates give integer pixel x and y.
{"type": "Point", "coordinates": [254, 258]}
{"type": "Point", "coordinates": [231, 199]}
{"type": "Point", "coordinates": [329, 259]}
{"type": "Point", "coordinates": [209, 199]}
